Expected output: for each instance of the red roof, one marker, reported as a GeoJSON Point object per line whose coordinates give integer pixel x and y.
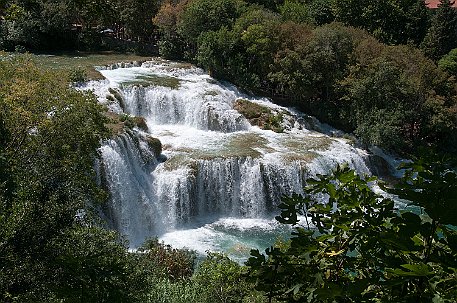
{"type": "Point", "coordinates": [434, 3]}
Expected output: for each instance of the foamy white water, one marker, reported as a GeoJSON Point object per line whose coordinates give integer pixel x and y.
{"type": "Point", "coordinates": [223, 178]}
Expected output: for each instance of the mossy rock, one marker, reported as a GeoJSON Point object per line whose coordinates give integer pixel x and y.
{"type": "Point", "coordinates": [116, 95]}
{"type": "Point", "coordinates": [259, 115]}
{"type": "Point", "coordinates": [115, 125]}
{"type": "Point", "coordinates": [154, 144]}
{"type": "Point", "coordinates": [134, 121]}
{"type": "Point", "coordinates": [140, 122]}
{"type": "Point", "coordinates": [153, 80]}
{"type": "Point", "coordinates": [110, 98]}
{"type": "Point", "coordinates": [118, 123]}
{"type": "Point", "coordinates": [379, 166]}
{"type": "Point", "coordinates": [249, 109]}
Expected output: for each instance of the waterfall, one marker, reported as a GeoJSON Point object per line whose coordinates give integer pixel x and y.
{"type": "Point", "coordinates": [191, 107]}
{"type": "Point", "coordinates": [132, 210]}
{"type": "Point", "coordinates": [218, 165]}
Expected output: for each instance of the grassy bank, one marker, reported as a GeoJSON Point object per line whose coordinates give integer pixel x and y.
{"type": "Point", "coordinates": [84, 61]}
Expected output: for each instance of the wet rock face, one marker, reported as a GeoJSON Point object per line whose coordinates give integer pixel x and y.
{"type": "Point", "coordinates": [140, 122]}
{"type": "Point", "coordinates": [379, 166]}
{"type": "Point", "coordinates": [115, 95]}
{"type": "Point", "coordinates": [155, 145]}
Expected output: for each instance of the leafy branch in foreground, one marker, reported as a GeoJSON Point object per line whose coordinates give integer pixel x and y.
{"type": "Point", "coordinates": [359, 247]}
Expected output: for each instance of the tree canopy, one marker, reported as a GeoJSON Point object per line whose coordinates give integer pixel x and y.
{"type": "Point", "coordinates": [359, 247]}
{"type": "Point", "coordinates": [391, 96]}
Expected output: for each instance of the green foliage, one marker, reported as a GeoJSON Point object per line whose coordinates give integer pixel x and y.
{"type": "Point", "coordinates": [93, 265]}
{"type": "Point", "coordinates": [218, 52]}
{"type": "Point", "coordinates": [163, 290]}
{"type": "Point", "coordinates": [202, 16]}
{"type": "Point", "coordinates": [49, 136]}
{"type": "Point", "coordinates": [440, 38]}
{"type": "Point", "coordinates": [310, 67]}
{"type": "Point", "coordinates": [317, 12]}
{"type": "Point", "coordinates": [296, 11]}
{"type": "Point", "coordinates": [217, 278]}
{"type": "Point", "coordinates": [171, 44]}
{"type": "Point", "coordinates": [136, 16]}
{"type": "Point", "coordinates": [268, 4]}
{"type": "Point", "coordinates": [391, 21]}
{"type": "Point", "coordinates": [222, 280]}
{"type": "Point", "coordinates": [167, 262]}
{"type": "Point", "coordinates": [357, 247]}
{"type": "Point", "coordinates": [58, 25]}
{"type": "Point", "coordinates": [391, 95]}
{"type": "Point", "coordinates": [449, 62]}
{"type": "Point", "coordinates": [322, 11]}
{"type": "Point", "coordinates": [78, 75]}
{"type": "Point", "coordinates": [242, 54]}
{"type": "Point", "coordinates": [171, 47]}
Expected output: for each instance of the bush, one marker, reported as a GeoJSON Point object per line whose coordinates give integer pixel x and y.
{"type": "Point", "coordinates": [60, 130]}
{"type": "Point", "coordinates": [222, 280]}
{"type": "Point", "coordinates": [77, 75]}
{"type": "Point", "coordinates": [449, 62]}
{"type": "Point", "coordinates": [163, 290]}
{"type": "Point", "coordinates": [167, 262]}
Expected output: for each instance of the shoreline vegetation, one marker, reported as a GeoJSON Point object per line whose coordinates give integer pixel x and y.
{"type": "Point", "coordinates": [356, 75]}
{"type": "Point", "coordinates": [383, 70]}
{"type": "Point", "coordinates": [85, 63]}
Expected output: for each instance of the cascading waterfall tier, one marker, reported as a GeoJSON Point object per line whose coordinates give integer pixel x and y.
{"type": "Point", "coordinates": [218, 165]}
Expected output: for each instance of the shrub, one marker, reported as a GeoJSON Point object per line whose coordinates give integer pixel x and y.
{"type": "Point", "coordinates": [222, 280]}
{"type": "Point", "coordinates": [165, 261]}
{"type": "Point", "coordinates": [77, 75]}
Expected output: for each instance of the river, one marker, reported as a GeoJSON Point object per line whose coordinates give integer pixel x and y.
{"type": "Point", "coordinates": [218, 180]}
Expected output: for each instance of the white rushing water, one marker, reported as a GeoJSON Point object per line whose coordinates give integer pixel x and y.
{"type": "Point", "coordinates": [222, 179]}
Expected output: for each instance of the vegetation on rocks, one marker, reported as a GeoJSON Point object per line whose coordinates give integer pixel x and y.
{"type": "Point", "coordinates": [118, 124]}
{"type": "Point", "coordinates": [259, 115]}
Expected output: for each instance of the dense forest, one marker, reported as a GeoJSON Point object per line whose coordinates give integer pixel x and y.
{"type": "Point", "coordinates": [322, 56]}
{"type": "Point", "coordinates": [382, 70]}
{"type": "Point", "coordinates": [350, 63]}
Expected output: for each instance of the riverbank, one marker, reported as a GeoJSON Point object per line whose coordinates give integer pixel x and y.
{"type": "Point", "coordinates": [85, 61]}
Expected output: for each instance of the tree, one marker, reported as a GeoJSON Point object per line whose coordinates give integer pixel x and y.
{"type": "Point", "coordinates": [316, 12]}
{"type": "Point", "coordinates": [136, 16]}
{"type": "Point", "coordinates": [392, 22]}
{"type": "Point", "coordinates": [171, 44]}
{"type": "Point", "coordinates": [359, 247]}
{"type": "Point", "coordinates": [92, 264]}
{"type": "Point", "coordinates": [398, 99]}
{"type": "Point", "coordinates": [201, 16]}
{"type": "Point", "coordinates": [268, 4]}
{"type": "Point", "coordinates": [309, 69]}
{"type": "Point", "coordinates": [449, 62]}
{"type": "Point", "coordinates": [53, 24]}
{"type": "Point", "coordinates": [296, 11]}
{"type": "Point", "coordinates": [49, 136]}
{"type": "Point", "coordinates": [244, 52]}
{"type": "Point", "coordinates": [442, 33]}
{"type": "Point", "coordinates": [222, 279]}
